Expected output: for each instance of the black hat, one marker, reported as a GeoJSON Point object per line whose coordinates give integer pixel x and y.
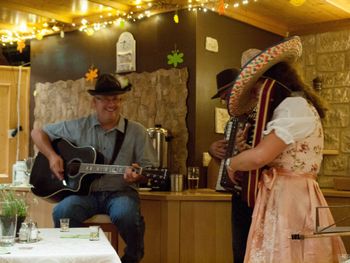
{"type": "Point", "coordinates": [107, 84]}
{"type": "Point", "coordinates": [225, 80]}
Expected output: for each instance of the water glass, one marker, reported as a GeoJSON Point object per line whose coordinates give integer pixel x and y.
{"type": "Point", "coordinates": [176, 182]}
{"type": "Point", "coordinates": [192, 178]}
{"type": "Point", "coordinates": [94, 233]}
{"type": "Point", "coordinates": [64, 224]}
{"type": "Point", "coordinates": [8, 222]}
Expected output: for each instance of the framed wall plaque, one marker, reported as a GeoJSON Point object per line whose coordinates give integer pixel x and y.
{"type": "Point", "coordinates": [126, 53]}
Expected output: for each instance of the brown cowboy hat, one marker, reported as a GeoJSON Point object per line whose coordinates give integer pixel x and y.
{"type": "Point", "coordinates": [254, 64]}
{"type": "Point", "coordinates": [107, 84]}
{"type": "Point", "coordinates": [225, 80]}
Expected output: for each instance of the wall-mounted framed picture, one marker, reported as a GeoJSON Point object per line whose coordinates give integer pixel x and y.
{"type": "Point", "coordinates": [126, 53]}
{"type": "Point", "coordinates": [221, 118]}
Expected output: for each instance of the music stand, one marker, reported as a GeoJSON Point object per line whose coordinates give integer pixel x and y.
{"type": "Point", "coordinates": [340, 227]}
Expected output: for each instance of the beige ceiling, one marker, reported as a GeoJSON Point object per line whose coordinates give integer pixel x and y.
{"type": "Point", "coordinates": [27, 17]}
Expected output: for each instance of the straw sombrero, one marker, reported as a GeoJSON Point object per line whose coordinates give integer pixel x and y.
{"type": "Point", "coordinates": [254, 65]}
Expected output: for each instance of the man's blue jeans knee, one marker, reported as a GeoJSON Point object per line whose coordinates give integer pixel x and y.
{"type": "Point", "coordinates": [123, 209]}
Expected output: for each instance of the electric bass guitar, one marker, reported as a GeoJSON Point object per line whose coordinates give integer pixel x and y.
{"type": "Point", "coordinates": [82, 165]}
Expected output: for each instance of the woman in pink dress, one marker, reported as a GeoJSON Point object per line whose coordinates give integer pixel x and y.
{"type": "Point", "coordinates": [290, 154]}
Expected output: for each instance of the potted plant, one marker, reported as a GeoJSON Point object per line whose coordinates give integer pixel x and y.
{"type": "Point", "coordinates": [13, 203]}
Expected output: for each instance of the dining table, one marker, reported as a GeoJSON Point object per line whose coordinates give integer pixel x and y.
{"type": "Point", "coordinates": [54, 246]}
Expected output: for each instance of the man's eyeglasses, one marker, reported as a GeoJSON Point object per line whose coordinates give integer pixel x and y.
{"type": "Point", "coordinates": [108, 99]}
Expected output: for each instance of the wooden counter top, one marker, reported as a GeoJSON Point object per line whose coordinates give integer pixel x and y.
{"type": "Point", "coordinates": [206, 194]}
{"type": "Point", "coordinates": [330, 192]}
{"type": "Point", "coordinates": [202, 194]}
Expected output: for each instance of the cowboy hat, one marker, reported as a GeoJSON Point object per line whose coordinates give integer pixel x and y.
{"type": "Point", "coordinates": [225, 80]}
{"type": "Point", "coordinates": [107, 84]}
{"type": "Point", "coordinates": [254, 64]}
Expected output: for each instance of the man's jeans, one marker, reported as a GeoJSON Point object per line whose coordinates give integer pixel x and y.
{"type": "Point", "coordinates": [123, 209]}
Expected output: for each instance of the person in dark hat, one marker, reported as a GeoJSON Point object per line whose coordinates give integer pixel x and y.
{"type": "Point", "coordinates": [122, 142]}
{"type": "Point", "coordinates": [224, 82]}
{"type": "Point", "coordinates": [240, 212]}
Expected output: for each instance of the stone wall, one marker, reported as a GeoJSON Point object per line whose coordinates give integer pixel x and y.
{"type": "Point", "coordinates": [327, 56]}
{"type": "Point", "coordinates": [156, 98]}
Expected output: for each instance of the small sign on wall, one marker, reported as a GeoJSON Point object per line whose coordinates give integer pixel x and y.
{"type": "Point", "coordinates": [211, 44]}
{"type": "Point", "coordinates": [126, 53]}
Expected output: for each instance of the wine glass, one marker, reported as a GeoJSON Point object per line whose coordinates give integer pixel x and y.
{"type": "Point", "coordinates": [29, 165]}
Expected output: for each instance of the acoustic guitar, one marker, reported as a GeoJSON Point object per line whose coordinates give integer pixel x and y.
{"type": "Point", "coordinates": [82, 165]}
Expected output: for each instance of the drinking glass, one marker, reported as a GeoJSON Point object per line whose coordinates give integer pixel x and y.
{"type": "Point", "coordinates": [64, 224]}
{"type": "Point", "coordinates": [94, 233]}
{"type": "Point", "coordinates": [29, 165]}
{"type": "Point", "coordinates": [8, 222]}
{"type": "Point", "coordinates": [192, 177]}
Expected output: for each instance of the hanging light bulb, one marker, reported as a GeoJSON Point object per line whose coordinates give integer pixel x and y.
{"type": "Point", "coordinates": [297, 2]}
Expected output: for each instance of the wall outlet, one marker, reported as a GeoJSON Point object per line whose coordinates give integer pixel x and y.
{"type": "Point", "coordinates": [206, 159]}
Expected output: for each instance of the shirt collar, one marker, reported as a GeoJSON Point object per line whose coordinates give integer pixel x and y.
{"type": "Point", "coordinates": [120, 125]}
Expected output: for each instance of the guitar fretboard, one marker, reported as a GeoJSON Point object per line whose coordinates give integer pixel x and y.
{"type": "Point", "coordinates": [103, 168]}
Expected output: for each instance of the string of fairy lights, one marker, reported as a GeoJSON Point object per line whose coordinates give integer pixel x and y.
{"type": "Point", "coordinates": [116, 17]}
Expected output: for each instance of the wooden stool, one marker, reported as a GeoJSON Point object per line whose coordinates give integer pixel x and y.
{"type": "Point", "coordinates": [104, 221]}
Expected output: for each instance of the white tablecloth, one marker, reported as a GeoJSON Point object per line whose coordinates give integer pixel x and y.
{"type": "Point", "coordinates": [62, 247]}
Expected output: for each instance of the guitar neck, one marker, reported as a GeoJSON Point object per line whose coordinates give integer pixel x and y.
{"type": "Point", "coordinates": [104, 168]}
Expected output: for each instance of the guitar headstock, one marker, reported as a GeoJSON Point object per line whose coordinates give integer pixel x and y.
{"type": "Point", "coordinates": [151, 171]}
{"type": "Point", "coordinates": [137, 170]}
{"type": "Point", "coordinates": [157, 179]}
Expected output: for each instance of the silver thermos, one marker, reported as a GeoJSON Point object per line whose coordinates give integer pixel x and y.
{"type": "Point", "coordinates": [160, 138]}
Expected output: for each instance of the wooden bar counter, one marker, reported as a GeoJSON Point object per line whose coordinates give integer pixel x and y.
{"type": "Point", "coordinates": [187, 226]}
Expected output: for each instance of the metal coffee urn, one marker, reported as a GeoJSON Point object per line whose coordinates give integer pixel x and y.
{"type": "Point", "coordinates": [160, 139]}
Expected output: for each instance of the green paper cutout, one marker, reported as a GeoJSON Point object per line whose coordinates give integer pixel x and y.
{"type": "Point", "coordinates": [175, 58]}
{"type": "Point", "coordinates": [122, 24]}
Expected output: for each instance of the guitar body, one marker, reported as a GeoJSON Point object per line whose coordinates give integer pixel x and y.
{"type": "Point", "coordinates": [47, 186]}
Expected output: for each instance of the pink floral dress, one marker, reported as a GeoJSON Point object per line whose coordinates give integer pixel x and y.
{"type": "Point", "coordinates": [289, 193]}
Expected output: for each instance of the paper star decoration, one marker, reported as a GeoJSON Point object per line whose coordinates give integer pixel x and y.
{"type": "Point", "coordinates": [91, 74]}
{"type": "Point", "coordinates": [175, 58]}
{"type": "Point", "coordinates": [221, 8]}
{"type": "Point", "coordinates": [20, 45]}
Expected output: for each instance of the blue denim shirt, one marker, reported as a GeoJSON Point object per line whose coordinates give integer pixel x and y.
{"type": "Point", "coordinates": [87, 131]}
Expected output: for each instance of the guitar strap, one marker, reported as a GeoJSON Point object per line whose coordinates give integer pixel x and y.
{"type": "Point", "coordinates": [118, 142]}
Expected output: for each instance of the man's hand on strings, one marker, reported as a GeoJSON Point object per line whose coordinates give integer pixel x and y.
{"type": "Point", "coordinates": [57, 166]}
{"type": "Point", "coordinates": [131, 175]}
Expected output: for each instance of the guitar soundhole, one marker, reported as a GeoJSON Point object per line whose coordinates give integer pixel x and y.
{"type": "Point", "coordinates": [73, 166]}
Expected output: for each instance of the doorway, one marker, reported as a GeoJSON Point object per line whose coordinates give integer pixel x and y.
{"type": "Point", "coordinates": [14, 116]}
